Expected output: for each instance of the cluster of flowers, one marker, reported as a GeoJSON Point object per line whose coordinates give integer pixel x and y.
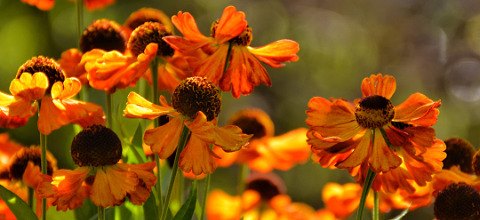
{"type": "Point", "coordinates": [392, 149]}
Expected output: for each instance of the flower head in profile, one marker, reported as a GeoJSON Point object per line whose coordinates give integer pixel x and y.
{"type": "Point", "coordinates": [20, 170]}
{"type": "Point", "coordinates": [41, 82]}
{"type": "Point", "coordinates": [100, 177]}
{"type": "Point", "coordinates": [102, 34]}
{"type": "Point", "coordinates": [46, 5]}
{"type": "Point", "coordinates": [143, 15]}
{"type": "Point", "coordinates": [396, 142]}
{"type": "Point", "coordinates": [195, 104]}
{"type": "Point", "coordinates": [230, 61]}
{"type": "Point", "coordinates": [457, 201]}
{"type": "Point", "coordinates": [265, 151]}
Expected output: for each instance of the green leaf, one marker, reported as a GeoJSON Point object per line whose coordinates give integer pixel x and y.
{"type": "Point", "coordinates": [150, 209]}
{"type": "Point", "coordinates": [19, 208]}
{"type": "Point", "coordinates": [188, 208]}
{"type": "Point", "coordinates": [86, 211]}
{"type": "Point", "coordinates": [402, 214]}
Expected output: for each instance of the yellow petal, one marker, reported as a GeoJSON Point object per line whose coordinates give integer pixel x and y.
{"type": "Point", "coordinates": [51, 116]}
{"type": "Point", "coordinates": [164, 139]}
{"type": "Point", "coordinates": [69, 88]}
{"type": "Point", "coordinates": [29, 87]}
{"type": "Point", "coordinates": [100, 193]}
{"type": "Point", "coordinates": [139, 107]}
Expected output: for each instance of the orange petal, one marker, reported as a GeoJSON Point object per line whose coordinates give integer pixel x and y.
{"type": "Point", "coordinates": [379, 85]}
{"type": "Point", "coordinates": [382, 158]}
{"type": "Point", "coordinates": [69, 88]}
{"type": "Point", "coordinates": [139, 107]}
{"type": "Point", "coordinates": [29, 87]}
{"type": "Point", "coordinates": [70, 62]}
{"type": "Point", "coordinates": [18, 108]}
{"type": "Point", "coordinates": [342, 200]}
{"type": "Point", "coordinates": [69, 192]}
{"type": "Point", "coordinates": [221, 206]}
{"type": "Point", "coordinates": [225, 159]}
{"type": "Point", "coordinates": [111, 186]}
{"type": "Point", "coordinates": [185, 23]}
{"type": "Point", "coordinates": [231, 24]}
{"type": "Point", "coordinates": [44, 5]}
{"type": "Point", "coordinates": [212, 66]}
{"type": "Point", "coordinates": [167, 78]}
{"type": "Point", "coordinates": [197, 157]}
{"type": "Point", "coordinates": [83, 113]}
{"type": "Point", "coordinates": [163, 140]}
{"type": "Point", "coordinates": [277, 53]}
{"type": "Point", "coordinates": [97, 4]}
{"type": "Point", "coordinates": [52, 116]}
{"type": "Point", "coordinates": [418, 110]}
{"type": "Point", "coordinates": [360, 153]}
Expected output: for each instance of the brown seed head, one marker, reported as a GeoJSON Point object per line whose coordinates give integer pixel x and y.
{"type": "Point", "coordinates": [143, 15]}
{"type": "Point", "coordinates": [20, 160]}
{"type": "Point", "coordinates": [150, 32]}
{"type": "Point", "coordinates": [374, 112]}
{"type": "Point", "coordinates": [476, 163]}
{"type": "Point", "coordinates": [45, 65]}
{"type": "Point", "coordinates": [103, 34]}
{"type": "Point", "coordinates": [253, 121]}
{"type": "Point", "coordinates": [457, 201]}
{"type": "Point", "coordinates": [267, 185]}
{"type": "Point", "coordinates": [459, 153]}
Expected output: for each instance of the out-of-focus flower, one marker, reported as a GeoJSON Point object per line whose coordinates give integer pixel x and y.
{"type": "Point", "coordinates": [100, 177]}
{"type": "Point", "coordinates": [265, 151]}
{"type": "Point", "coordinates": [264, 198]}
{"type": "Point", "coordinates": [143, 15]}
{"type": "Point", "coordinates": [20, 170]}
{"type": "Point", "coordinates": [102, 34]}
{"type": "Point", "coordinates": [341, 200]}
{"type": "Point", "coordinates": [230, 62]}
{"type": "Point", "coordinates": [396, 142]}
{"type": "Point", "coordinates": [196, 104]}
{"type": "Point", "coordinates": [46, 5]}
{"type": "Point", "coordinates": [40, 81]}
{"type": "Point", "coordinates": [457, 201]}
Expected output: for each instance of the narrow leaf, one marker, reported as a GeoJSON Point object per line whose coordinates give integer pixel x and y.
{"type": "Point", "coordinates": [18, 207]}
{"type": "Point", "coordinates": [150, 209]}
{"type": "Point", "coordinates": [401, 215]}
{"type": "Point", "coordinates": [188, 208]}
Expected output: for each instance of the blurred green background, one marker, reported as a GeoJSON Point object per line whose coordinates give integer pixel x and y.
{"type": "Point", "coordinates": [431, 47]}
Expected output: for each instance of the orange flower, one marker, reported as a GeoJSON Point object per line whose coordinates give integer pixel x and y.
{"type": "Point", "coordinates": [97, 150]}
{"type": "Point", "coordinates": [53, 92]}
{"type": "Point", "coordinates": [46, 5]}
{"type": "Point", "coordinates": [265, 151]}
{"type": "Point", "coordinates": [196, 104]}
{"type": "Point", "coordinates": [231, 36]}
{"type": "Point", "coordinates": [341, 200]}
{"type": "Point", "coordinates": [143, 15]}
{"type": "Point", "coordinates": [396, 142]}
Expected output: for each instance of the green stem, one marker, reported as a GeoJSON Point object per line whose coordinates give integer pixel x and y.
{"type": "Point", "coordinates": [366, 185]}
{"type": "Point", "coordinates": [30, 197]}
{"type": "Point", "coordinates": [181, 144]}
{"type": "Point", "coordinates": [154, 70]}
{"type": "Point", "coordinates": [205, 190]}
{"type": "Point", "coordinates": [109, 111]}
{"type": "Point", "coordinates": [227, 59]}
{"type": "Point", "coordinates": [79, 19]}
{"type": "Point", "coordinates": [242, 175]}
{"type": "Point", "coordinates": [101, 213]}
{"type": "Point", "coordinates": [376, 210]}
{"type": "Point", "coordinates": [43, 165]}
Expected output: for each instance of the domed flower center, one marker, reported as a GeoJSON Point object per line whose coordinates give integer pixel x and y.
{"type": "Point", "coordinates": [45, 65]}
{"type": "Point", "coordinates": [253, 121]}
{"type": "Point", "coordinates": [150, 32]}
{"type": "Point", "coordinates": [459, 153]}
{"type": "Point", "coordinates": [457, 201]}
{"type": "Point", "coordinates": [103, 34]}
{"type": "Point", "coordinates": [476, 163]}
{"type": "Point", "coordinates": [374, 112]}
{"type": "Point", "coordinates": [143, 15]}
{"type": "Point", "coordinates": [244, 39]}
{"type": "Point", "coordinates": [20, 161]}
{"type": "Point", "coordinates": [196, 94]}
{"type": "Point", "coordinates": [96, 146]}
{"type": "Point", "coordinates": [268, 186]}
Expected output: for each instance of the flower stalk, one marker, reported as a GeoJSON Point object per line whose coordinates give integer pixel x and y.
{"type": "Point", "coordinates": [366, 186]}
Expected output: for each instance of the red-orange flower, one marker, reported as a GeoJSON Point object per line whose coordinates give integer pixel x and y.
{"type": "Point", "coordinates": [46, 5]}
{"type": "Point", "coordinates": [53, 92]}
{"type": "Point", "coordinates": [231, 36]}
{"type": "Point", "coordinates": [396, 142]}
{"type": "Point", "coordinates": [100, 177]}
{"type": "Point", "coordinates": [265, 151]}
{"type": "Point", "coordinates": [196, 104]}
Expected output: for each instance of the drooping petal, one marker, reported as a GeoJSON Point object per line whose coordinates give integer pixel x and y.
{"type": "Point", "coordinates": [16, 108]}
{"type": "Point", "coordinates": [52, 116]}
{"type": "Point", "coordinates": [430, 163]}
{"type": "Point", "coordinates": [360, 153]}
{"type": "Point", "coordinates": [163, 140]}
{"type": "Point", "coordinates": [70, 62]}
{"type": "Point", "coordinates": [379, 85]}
{"type": "Point", "coordinates": [212, 67]}
{"type": "Point", "coordinates": [382, 158]}
{"type": "Point", "coordinates": [29, 87]}
{"type": "Point", "coordinates": [277, 53]}
{"type": "Point", "coordinates": [69, 88]}
{"type": "Point", "coordinates": [197, 157]}
{"type": "Point", "coordinates": [185, 23]}
{"type": "Point", "coordinates": [139, 107]}
{"type": "Point", "coordinates": [111, 186]}
{"type": "Point", "coordinates": [231, 24]}
{"type": "Point", "coordinates": [417, 110]}
{"type": "Point", "coordinates": [83, 113]}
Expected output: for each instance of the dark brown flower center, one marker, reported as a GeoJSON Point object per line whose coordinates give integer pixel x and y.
{"type": "Point", "coordinates": [45, 65]}
{"type": "Point", "coordinates": [267, 185]}
{"type": "Point", "coordinates": [143, 15]}
{"type": "Point", "coordinates": [103, 34]}
{"type": "Point", "coordinates": [150, 32]}
{"type": "Point", "coordinates": [196, 94]}
{"type": "Point", "coordinates": [459, 153]}
{"type": "Point", "coordinates": [457, 201]}
{"type": "Point", "coordinates": [96, 146]}
{"type": "Point", "coordinates": [253, 121]}
{"type": "Point", "coordinates": [374, 112]}
{"type": "Point", "coordinates": [244, 39]}
{"type": "Point", "coordinates": [476, 163]}
{"type": "Point", "coordinates": [20, 161]}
